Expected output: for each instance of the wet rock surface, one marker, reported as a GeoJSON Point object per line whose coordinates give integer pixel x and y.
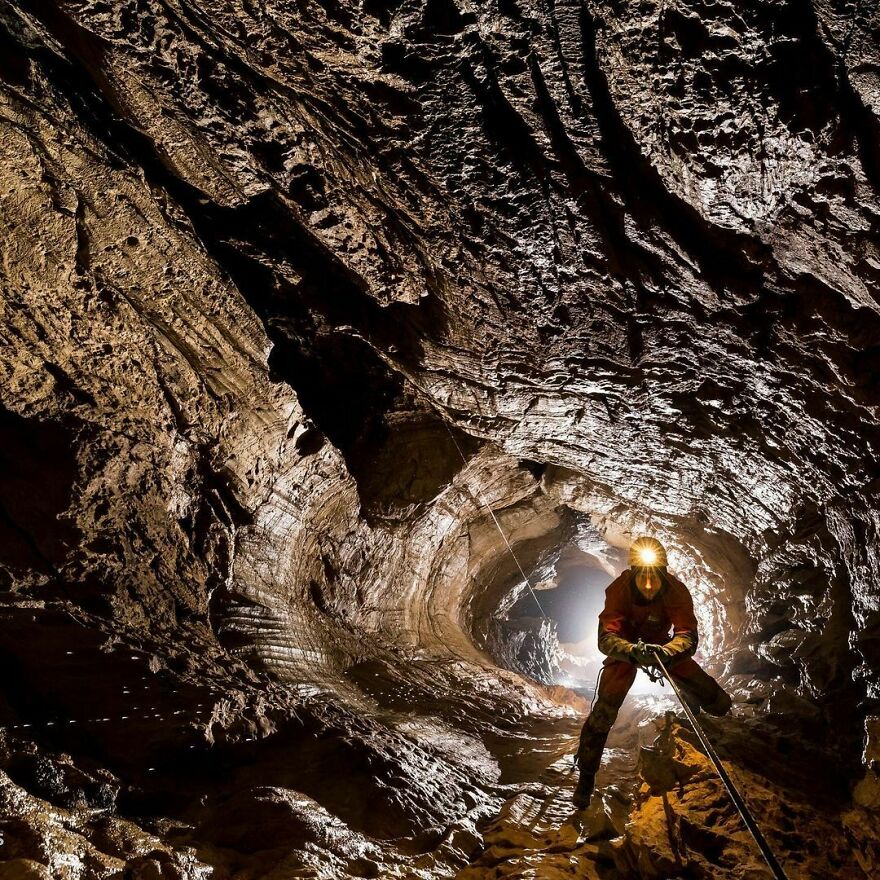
{"type": "Point", "coordinates": [294, 294]}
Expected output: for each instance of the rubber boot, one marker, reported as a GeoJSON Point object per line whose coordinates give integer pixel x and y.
{"type": "Point", "coordinates": [584, 791]}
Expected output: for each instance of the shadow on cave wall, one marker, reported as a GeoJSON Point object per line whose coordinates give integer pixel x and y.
{"type": "Point", "coordinates": [37, 473]}
{"type": "Point", "coordinates": [324, 323]}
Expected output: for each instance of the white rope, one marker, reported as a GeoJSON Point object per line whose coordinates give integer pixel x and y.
{"type": "Point", "coordinates": [118, 718]}
{"type": "Point", "coordinates": [130, 717]}
{"type": "Point", "coordinates": [488, 507]}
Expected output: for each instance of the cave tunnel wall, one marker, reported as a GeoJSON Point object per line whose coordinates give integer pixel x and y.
{"type": "Point", "coordinates": [292, 293]}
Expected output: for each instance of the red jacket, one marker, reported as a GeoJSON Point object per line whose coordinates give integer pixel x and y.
{"type": "Point", "coordinates": [628, 616]}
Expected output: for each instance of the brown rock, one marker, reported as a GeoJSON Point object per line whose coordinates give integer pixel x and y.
{"type": "Point", "coordinates": [24, 869]}
{"type": "Point", "coordinates": [313, 312]}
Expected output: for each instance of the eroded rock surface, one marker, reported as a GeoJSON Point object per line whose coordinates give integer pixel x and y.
{"type": "Point", "coordinates": [294, 294]}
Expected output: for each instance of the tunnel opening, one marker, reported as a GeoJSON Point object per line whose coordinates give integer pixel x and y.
{"type": "Point", "coordinates": [544, 625]}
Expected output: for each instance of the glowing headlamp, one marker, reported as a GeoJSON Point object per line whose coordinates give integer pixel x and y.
{"type": "Point", "coordinates": [648, 556]}
{"type": "Point", "coordinates": [647, 552]}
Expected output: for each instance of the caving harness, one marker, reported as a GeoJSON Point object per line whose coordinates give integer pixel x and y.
{"type": "Point", "coordinates": [654, 673]}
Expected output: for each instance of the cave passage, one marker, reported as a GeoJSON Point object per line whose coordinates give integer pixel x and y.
{"type": "Point", "coordinates": [545, 627]}
{"type": "Point", "coordinates": [331, 331]}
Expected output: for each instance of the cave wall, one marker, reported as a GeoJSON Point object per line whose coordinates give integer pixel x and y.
{"type": "Point", "coordinates": [290, 291]}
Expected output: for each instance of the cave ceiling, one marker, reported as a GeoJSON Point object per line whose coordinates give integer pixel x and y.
{"type": "Point", "coordinates": [310, 308]}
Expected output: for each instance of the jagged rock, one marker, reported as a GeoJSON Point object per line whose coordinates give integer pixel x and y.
{"type": "Point", "coordinates": [313, 312]}
{"type": "Point", "coordinates": [693, 829]}
{"type": "Point", "coordinates": [670, 763]}
{"type": "Point", "coordinates": [24, 869]}
{"type": "Point", "coordinates": [867, 791]}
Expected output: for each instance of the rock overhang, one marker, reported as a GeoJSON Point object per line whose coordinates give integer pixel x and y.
{"type": "Point", "coordinates": [256, 266]}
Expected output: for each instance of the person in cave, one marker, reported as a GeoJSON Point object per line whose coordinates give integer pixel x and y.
{"type": "Point", "coordinates": [642, 605]}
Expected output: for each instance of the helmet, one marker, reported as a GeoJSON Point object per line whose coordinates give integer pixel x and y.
{"type": "Point", "coordinates": [647, 553]}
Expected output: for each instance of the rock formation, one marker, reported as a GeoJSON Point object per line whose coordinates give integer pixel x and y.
{"type": "Point", "coordinates": [310, 308]}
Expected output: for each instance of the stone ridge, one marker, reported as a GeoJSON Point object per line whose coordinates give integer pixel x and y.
{"type": "Point", "coordinates": [292, 291]}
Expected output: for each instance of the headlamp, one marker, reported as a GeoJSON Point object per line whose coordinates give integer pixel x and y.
{"type": "Point", "coordinates": [647, 552]}
{"type": "Point", "coordinates": [647, 556]}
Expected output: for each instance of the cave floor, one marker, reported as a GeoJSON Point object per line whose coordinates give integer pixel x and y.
{"type": "Point", "coordinates": [660, 811]}
{"type": "Point", "coordinates": [537, 832]}
{"type": "Point", "coordinates": [249, 810]}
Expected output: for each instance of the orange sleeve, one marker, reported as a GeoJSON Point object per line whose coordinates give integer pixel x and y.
{"type": "Point", "coordinates": [612, 620]}
{"type": "Point", "coordinates": [613, 616]}
{"type": "Point", "coordinates": [680, 607]}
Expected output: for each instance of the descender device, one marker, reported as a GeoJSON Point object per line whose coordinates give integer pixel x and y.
{"type": "Point", "coordinates": [653, 672]}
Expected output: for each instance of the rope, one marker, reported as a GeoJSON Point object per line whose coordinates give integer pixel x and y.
{"type": "Point", "coordinates": [596, 688]}
{"type": "Point", "coordinates": [129, 716]}
{"type": "Point", "coordinates": [486, 504]}
{"type": "Point", "coordinates": [735, 796]}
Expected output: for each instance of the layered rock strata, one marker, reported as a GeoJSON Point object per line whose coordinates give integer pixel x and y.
{"type": "Point", "coordinates": [293, 295]}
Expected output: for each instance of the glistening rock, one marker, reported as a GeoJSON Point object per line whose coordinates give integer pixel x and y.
{"type": "Point", "coordinates": [257, 258]}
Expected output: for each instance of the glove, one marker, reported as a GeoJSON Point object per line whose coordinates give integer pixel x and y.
{"type": "Point", "coordinates": [682, 645]}
{"type": "Point", "coordinates": [643, 655]}
{"type": "Point", "coordinates": [614, 646]}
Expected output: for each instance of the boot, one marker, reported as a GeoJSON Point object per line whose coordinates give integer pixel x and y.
{"type": "Point", "coordinates": [720, 705]}
{"type": "Point", "coordinates": [584, 791]}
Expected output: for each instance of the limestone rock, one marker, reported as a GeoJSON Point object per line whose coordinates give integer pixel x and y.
{"type": "Point", "coordinates": [326, 326]}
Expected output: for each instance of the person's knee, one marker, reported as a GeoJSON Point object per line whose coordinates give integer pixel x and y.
{"type": "Point", "coordinates": [602, 717]}
{"type": "Point", "coordinates": [720, 705]}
